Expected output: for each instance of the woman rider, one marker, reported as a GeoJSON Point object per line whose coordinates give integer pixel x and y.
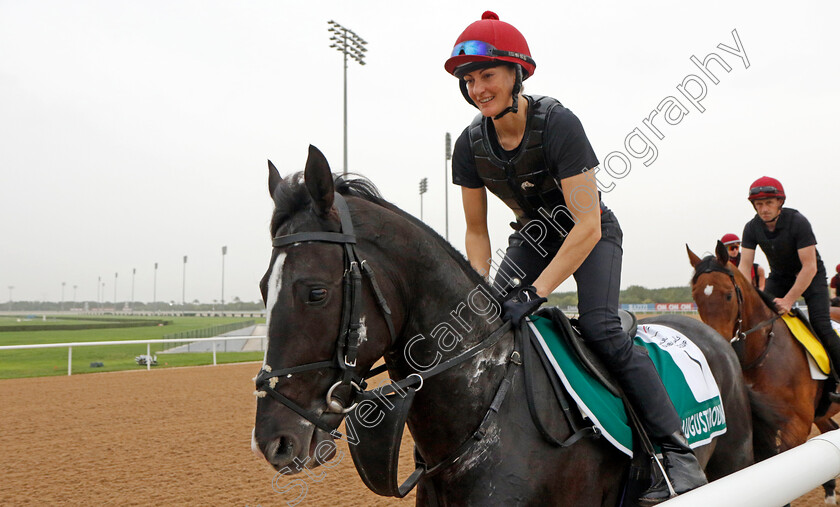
{"type": "Point", "coordinates": [796, 268]}
{"type": "Point", "coordinates": [533, 153]}
{"type": "Point", "coordinates": [733, 245]}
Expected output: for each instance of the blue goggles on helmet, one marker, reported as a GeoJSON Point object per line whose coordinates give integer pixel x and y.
{"type": "Point", "coordinates": [481, 48]}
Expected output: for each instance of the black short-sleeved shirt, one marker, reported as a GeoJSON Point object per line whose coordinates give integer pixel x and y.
{"type": "Point", "coordinates": [565, 143]}
{"type": "Point", "coordinates": [792, 232]}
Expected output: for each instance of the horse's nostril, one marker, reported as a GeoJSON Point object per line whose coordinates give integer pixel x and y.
{"type": "Point", "coordinates": [281, 451]}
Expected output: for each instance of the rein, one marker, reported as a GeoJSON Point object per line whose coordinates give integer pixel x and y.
{"type": "Point", "coordinates": [383, 481]}
{"type": "Point", "coordinates": [710, 265]}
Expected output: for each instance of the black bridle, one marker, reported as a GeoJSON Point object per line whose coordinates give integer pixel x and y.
{"type": "Point", "coordinates": [710, 265]}
{"type": "Point", "coordinates": [348, 334]}
{"type": "Point", "coordinates": [345, 362]}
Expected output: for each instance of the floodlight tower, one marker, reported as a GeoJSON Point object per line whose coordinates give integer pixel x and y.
{"type": "Point", "coordinates": [345, 40]}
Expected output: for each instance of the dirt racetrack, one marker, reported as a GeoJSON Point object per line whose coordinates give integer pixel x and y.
{"type": "Point", "coordinates": [165, 437]}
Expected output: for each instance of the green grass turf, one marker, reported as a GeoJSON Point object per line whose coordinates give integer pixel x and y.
{"type": "Point", "coordinates": [53, 361]}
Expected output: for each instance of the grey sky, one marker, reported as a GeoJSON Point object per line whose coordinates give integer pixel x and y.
{"type": "Point", "coordinates": [137, 132]}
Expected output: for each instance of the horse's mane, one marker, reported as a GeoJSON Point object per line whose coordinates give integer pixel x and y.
{"type": "Point", "coordinates": [292, 197]}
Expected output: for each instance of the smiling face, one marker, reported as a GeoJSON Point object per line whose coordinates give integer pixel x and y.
{"type": "Point", "coordinates": [491, 88]}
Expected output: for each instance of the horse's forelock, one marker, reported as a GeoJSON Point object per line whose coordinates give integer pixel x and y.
{"type": "Point", "coordinates": [708, 264]}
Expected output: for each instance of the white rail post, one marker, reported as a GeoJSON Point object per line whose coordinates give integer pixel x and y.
{"type": "Point", "coordinates": [783, 478]}
{"type": "Point", "coordinates": [214, 353]}
{"type": "Point", "coordinates": [69, 361]}
{"type": "Point", "coordinates": [148, 356]}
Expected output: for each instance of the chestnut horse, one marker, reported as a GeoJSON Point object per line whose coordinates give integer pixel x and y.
{"type": "Point", "coordinates": [773, 361]}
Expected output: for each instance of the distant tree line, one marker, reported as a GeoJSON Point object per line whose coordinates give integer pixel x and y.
{"type": "Point", "coordinates": [54, 306]}
{"type": "Point", "coordinates": [630, 295]}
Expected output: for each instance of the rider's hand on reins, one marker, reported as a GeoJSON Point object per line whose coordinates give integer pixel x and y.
{"type": "Point", "coordinates": [524, 301]}
{"type": "Point", "coordinates": [783, 306]}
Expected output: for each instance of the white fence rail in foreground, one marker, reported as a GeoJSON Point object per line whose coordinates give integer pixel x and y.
{"type": "Point", "coordinates": [775, 481]}
{"type": "Point", "coordinates": [148, 343]}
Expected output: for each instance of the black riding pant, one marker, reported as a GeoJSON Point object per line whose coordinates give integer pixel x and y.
{"type": "Point", "coordinates": [598, 284]}
{"type": "Point", "coordinates": [819, 313]}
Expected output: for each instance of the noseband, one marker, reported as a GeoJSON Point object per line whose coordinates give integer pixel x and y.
{"type": "Point", "coordinates": [348, 335]}
{"type": "Point", "coordinates": [710, 265]}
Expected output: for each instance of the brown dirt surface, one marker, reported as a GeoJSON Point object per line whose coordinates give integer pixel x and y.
{"type": "Point", "coordinates": [165, 437]}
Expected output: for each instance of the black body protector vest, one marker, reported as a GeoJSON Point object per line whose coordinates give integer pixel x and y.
{"type": "Point", "coordinates": [524, 183]}
{"type": "Point", "coordinates": [781, 251]}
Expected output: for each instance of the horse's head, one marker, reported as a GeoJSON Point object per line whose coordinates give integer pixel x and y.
{"type": "Point", "coordinates": [320, 342]}
{"type": "Point", "coordinates": [718, 289]}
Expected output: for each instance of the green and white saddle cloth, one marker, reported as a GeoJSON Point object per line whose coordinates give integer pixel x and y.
{"type": "Point", "coordinates": [682, 366]}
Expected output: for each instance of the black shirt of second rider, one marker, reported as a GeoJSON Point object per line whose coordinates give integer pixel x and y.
{"type": "Point", "coordinates": [792, 232]}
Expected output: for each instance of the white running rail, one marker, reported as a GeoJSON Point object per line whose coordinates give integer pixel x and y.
{"type": "Point", "coordinates": [773, 482]}
{"type": "Point", "coordinates": [148, 343]}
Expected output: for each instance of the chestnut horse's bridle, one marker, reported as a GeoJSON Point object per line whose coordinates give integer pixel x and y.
{"type": "Point", "coordinates": [710, 265]}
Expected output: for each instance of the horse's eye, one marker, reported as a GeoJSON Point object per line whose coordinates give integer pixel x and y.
{"type": "Point", "coordinates": [316, 295]}
{"type": "Point", "coordinates": [729, 297]}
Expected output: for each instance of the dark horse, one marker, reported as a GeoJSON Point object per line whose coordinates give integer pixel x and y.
{"type": "Point", "coordinates": [439, 310]}
{"type": "Point", "coordinates": [774, 363]}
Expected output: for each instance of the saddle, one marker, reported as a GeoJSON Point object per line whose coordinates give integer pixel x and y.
{"type": "Point", "coordinates": [828, 397]}
{"type": "Point", "coordinates": [588, 359]}
{"type": "Point", "coordinates": [379, 419]}
{"type": "Point", "coordinates": [639, 477]}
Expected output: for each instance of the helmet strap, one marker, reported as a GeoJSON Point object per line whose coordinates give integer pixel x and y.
{"type": "Point", "coordinates": [517, 87]}
{"type": "Point", "coordinates": [463, 85]}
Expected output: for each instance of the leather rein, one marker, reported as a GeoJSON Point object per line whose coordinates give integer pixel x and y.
{"type": "Point", "coordinates": [347, 352]}
{"type": "Point", "coordinates": [710, 265]}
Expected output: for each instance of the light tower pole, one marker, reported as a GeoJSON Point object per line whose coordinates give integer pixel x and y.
{"type": "Point", "coordinates": [184, 284]}
{"type": "Point", "coordinates": [224, 252]}
{"type": "Point", "coordinates": [350, 44]}
{"type": "Point", "coordinates": [133, 273]}
{"type": "Point", "coordinates": [154, 288]}
{"type": "Point", "coordinates": [424, 185]}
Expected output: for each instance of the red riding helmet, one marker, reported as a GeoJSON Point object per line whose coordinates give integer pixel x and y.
{"type": "Point", "coordinates": [729, 239]}
{"type": "Point", "coordinates": [837, 268]}
{"type": "Point", "coordinates": [766, 187]}
{"type": "Point", "coordinates": [490, 40]}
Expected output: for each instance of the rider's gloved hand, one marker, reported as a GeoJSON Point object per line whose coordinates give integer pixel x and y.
{"type": "Point", "coordinates": [524, 301]}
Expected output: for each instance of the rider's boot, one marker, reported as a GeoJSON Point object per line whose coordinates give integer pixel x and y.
{"type": "Point", "coordinates": [832, 348]}
{"type": "Point", "coordinates": [681, 467]}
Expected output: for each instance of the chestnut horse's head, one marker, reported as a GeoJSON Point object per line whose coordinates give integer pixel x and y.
{"type": "Point", "coordinates": [718, 288]}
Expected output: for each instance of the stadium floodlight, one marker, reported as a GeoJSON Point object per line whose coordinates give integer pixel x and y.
{"type": "Point", "coordinates": [349, 44]}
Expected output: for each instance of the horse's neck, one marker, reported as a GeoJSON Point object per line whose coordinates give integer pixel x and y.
{"type": "Point", "coordinates": [755, 310]}
{"type": "Point", "coordinates": [446, 313]}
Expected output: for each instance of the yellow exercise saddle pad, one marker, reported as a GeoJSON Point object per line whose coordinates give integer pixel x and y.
{"type": "Point", "coordinates": [809, 341]}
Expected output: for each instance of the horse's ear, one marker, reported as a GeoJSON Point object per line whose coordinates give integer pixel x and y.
{"type": "Point", "coordinates": [319, 181]}
{"type": "Point", "coordinates": [721, 253]}
{"type": "Point", "coordinates": [692, 257]}
{"type": "Point", "coordinates": [274, 178]}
